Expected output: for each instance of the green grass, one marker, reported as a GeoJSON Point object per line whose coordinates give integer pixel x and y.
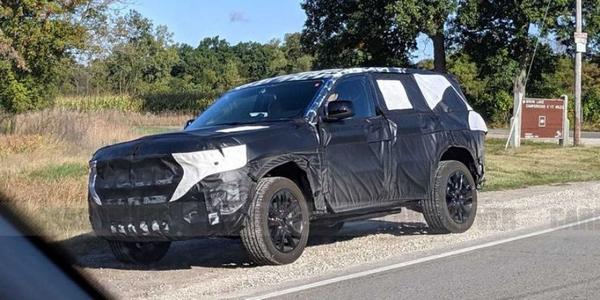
{"type": "Point", "coordinates": [59, 171]}
{"type": "Point", "coordinates": [538, 164]}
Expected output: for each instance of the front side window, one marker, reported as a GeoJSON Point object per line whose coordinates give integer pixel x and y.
{"type": "Point", "coordinates": [355, 89]}
{"type": "Point", "coordinates": [264, 103]}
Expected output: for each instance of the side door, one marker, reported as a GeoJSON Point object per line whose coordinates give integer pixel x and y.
{"type": "Point", "coordinates": [412, 151]}
{"type": "Point", "coordinates": [353, 148]}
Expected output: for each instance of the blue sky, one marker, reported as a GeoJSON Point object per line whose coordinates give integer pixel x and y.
{"type": "Point", "coordinates": [234, 20]}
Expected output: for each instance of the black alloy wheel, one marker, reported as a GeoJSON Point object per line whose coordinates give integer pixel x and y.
{"type": "Point", "coordinates": [459, 197]}
{"type": "Point", "coordinates": [285, 221]}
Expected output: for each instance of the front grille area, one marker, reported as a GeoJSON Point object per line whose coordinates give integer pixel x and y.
{"type": "Point", "coordinates": [137, 181]}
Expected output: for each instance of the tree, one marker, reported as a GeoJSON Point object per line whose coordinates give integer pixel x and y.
{"type": "Point", "coordinates": [500, 36]}
{"type": "Point", "coordinates": [374, 32]}
{"type": "Point", "coordinates": [298, 60]}
{"type": "Point", "coordinates": [359, 33]}
{"type": "Point", "coordinates": [212, 67]}
{"type": "Point", "coordinates": [564, 24]}
{"type": "Point", "coordinates": [258, 61]}
{"type": "Point", "coordinates": [35, 39]}
{"type": "Point", "coordinates": [483, 28]}
{"type": "Point", "coordinates": [486, 27]}
{"type": "Point", "coordinates": [40, 44]}
{"type": "Point", "coordinates": [142, 57]}
{"type": "Point", "coordinates": [431, 17]}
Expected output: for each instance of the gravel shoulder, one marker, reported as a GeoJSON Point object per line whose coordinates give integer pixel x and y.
{"type": "Point", "coordinates": [220, 268]}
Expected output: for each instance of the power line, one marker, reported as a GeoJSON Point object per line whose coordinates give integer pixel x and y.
{"type": "Point", "coordinates": [537, 42]}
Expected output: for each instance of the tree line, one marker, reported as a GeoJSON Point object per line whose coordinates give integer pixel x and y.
{"type": "Point", "coordinates": [88, 47]}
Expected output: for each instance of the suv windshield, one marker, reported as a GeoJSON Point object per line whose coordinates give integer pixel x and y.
{"type": "Point", "coordinates": [270, 102]}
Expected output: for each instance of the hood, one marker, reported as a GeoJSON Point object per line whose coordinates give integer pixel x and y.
{"type": "Point", "coordinates": [260, 139]}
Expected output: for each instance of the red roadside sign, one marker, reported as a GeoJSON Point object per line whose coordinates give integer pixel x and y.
{"type": "Point", "coordinates": [542, 118]}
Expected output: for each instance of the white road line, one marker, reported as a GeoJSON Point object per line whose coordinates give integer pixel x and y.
{"type": "Point", "coordinates": [418, 261]}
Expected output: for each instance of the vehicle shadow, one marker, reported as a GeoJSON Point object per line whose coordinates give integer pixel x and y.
{"type": "Point", "coordinates": [89, 251]}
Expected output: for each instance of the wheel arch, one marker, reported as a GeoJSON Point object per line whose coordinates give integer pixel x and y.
{"type": "Point", "coordinates": [294, 172]}
{"type": "Point", "coordinates": [462, 155]}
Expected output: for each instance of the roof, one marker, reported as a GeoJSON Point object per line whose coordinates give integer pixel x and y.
{"type": "Point", "coordinates": [330, 73]}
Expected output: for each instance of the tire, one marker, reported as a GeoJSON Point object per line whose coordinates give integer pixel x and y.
{"type": "Point", "coordinates": [139, 252]}
{"type": "Point", "coordinates": [271, 234]}
{"type": "Point", "coordinates": [452, 204]}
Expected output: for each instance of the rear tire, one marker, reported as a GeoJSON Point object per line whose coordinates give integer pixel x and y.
{"type": "Point", "coordinates": [276, 229]}
{"type": "Point", "coordinates": [452, 204]}
{"type": "Point", "coordinates": [139, 252]}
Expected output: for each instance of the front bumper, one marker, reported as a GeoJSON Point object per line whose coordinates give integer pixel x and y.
{"type": "Point", "coordinates": [184, 219]}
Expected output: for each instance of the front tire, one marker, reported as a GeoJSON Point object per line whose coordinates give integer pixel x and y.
{"type": "Point", "coordinates": [139, 252]}
{"type": "Point", "coordinates": [452, 204]}
{"type": "Point", "coordinates": [276, 229]}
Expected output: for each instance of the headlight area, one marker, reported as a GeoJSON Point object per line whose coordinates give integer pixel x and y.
{"type": "Point", "coordinates": [92, 182]}
{"type": "Point", "coordinates": [225, 200]}
{"type": "Point", "coordinates": [223, 194]}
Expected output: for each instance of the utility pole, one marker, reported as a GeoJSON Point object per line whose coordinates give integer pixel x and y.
{"type": "Point", "coordinates": [564, 141]}
{"type": "Point", "coordinates": [580, 42]}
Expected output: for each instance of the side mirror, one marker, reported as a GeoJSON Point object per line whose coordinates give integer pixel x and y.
{"type": "Point", "coordinates": [340, 109]}
{"type": "Point", "coordinates": [188, 123]}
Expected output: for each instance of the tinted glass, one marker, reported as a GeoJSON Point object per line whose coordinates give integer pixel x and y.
{"type": "Point", "coordinates": [272, 102]}
{"type": "Point", "coordinates": [355, 89]}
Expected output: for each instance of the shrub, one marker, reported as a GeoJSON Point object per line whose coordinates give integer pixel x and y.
{"type": "Point", "coordinates": [191, 101]}
{"type": "Point", "coordinates": [20, 95]}
{"type": "Point", "coordinates": [186, 101]}
{"type": "Point", "coordinates": [124, 103]}
{"type": "Point", "coordinates": [591, 107]}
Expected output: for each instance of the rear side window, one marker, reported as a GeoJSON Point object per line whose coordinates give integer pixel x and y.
{"type": "Point", "coordinates": [394, 94]}
{"type": "Point", "coordinates": [439, 93]}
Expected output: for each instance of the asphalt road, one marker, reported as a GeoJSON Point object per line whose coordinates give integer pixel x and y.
{"type": "Point", "coordinates": [584, 134]}
{"type": "Point", "coordinates": [556, 265]}
{"type": "Point", "coordinates": [589, 138]}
